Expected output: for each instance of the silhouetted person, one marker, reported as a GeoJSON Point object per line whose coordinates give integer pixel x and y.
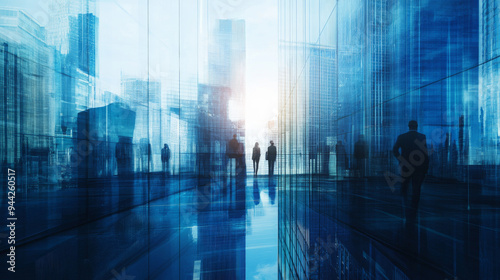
{"type": "Point", "coordinates": [271, 157]}
{"type": "Point", "coordinates": [360, 155]}
{"type": "Point", "coordinates": [165, 158]}
{"type": "Point", "coordinates": [124, 156]}
{"type": "Point", "coordinates": [144, 154]}
{"type": "Point", "coordinates": [256, 158]}
{"type": "Point", "coordinates": [124, 153]}
{"type": "Point", "coordinates": [341, 159]}
{"type": "Point", "coordinates": [413, 165]}
{"type": "Point", "coordinates": [233, 147]}
{"type": "Point", "coordinates": [325, 150]}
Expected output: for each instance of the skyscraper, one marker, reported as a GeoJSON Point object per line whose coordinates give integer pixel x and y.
{"type": "Point", "coordinates": [322, 104]}
{"type": "Point", "coordinates": [222, 99]}
{"type": "Point", "coordinates": [227, 63]}
{"type": "Point", "coordinates": [489, 80]}
{"type": "Point", "coordinates": [26, 101]}
{"type": "Point", "coordinates": [87, 43]}
{"type": "Point", "coordinates": [72, 29]}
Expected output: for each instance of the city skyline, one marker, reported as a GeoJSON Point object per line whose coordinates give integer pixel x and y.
{"type": "Point", "coordinates": [231, 139]}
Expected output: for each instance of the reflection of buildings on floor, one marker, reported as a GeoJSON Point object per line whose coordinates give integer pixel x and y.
{"type": "Point", "coordinates": [355, 230]}
{"type": "Point", "coordinates": [207, 228]}
{"type": "Point", "coordinates": [221, 231]}
{"type": "Point", "coordinates": [227, 228]}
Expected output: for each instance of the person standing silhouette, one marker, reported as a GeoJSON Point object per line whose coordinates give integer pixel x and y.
{"type": "Point", "coordinates": [124, 156]}
{"type": "Point", "coordinates": [341, 159]}
{"type": "Point", "coordinates": [256, 158]}
{"type": "Point", "coordinates": [271, 157]}
{"type": "Point", "coordinates": [233, 147]}
{"type": "Point", "coordinates": [413, 166]}
{"type": "Point", "coordinates": [360, 154]}
{"type": "Point", "coordinates": [165, 158]}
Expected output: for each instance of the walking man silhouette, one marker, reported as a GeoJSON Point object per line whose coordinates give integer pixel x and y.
{"type": "Point", "coordinates": [360, 154]}
{"type": "Point", "coordinates": [233, 147]}
{"type": "Point", "coordinates": [271, 157]}
{"type": "Point", "coordinates": [256, 158]}
{"type": "Point", "coordinates": [165, 158]}
{"type": "Point", "coordinates": [413, 165]}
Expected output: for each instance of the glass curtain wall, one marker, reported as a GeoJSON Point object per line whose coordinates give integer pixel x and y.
{"type": "Point", "coordinates": [108, 105]}
{"type": "Point", "coordinates": [368, 68]}
{"type": "Point", "coordinates": [352, 70]}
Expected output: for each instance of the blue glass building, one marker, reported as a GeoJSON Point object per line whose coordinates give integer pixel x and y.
{"type": "Point", "coordinates": [118, 119]}
{"type": "Point", "coordinates": [382, 64]}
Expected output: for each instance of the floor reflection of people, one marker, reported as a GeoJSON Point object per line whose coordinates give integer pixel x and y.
{"type": "Point", "coordinates": [272, 189]}
{"type": "Point", "coordinates": [256, 192]}
{"type": "Point", "coordinates": [256, 158]}
{"type": "Point", "coordinates": [222, 233]}
{"type": "Point", "coordinates": [413, 164]}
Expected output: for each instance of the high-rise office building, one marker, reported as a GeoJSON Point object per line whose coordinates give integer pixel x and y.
{"type": "Point", "coordinates": [391, 62]}
{"type": "Point", "coordinates": [222, 99]}
{"type": "Point", "coordinates": [322, 104]}
{"type": "Point", "coordinates": [87, 43]}
{"type": "Point", "coordinates": [116, 117]}
{"type": "Point", "coordinates": [489, 85]}
{"type": "Point", "coordinates": [227, 63]}
{"type": "Point", "coordinates": [72, 29]}
{"type": "Point", "coordinates": [26, 100]}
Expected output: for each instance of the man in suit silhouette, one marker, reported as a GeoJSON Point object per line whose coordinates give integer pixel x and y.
{"type": "Point", "coordinates": [165, 158]}
{"type": "Point", "coordinates": [233, 149]}
{"type": "Point", "coordinates": [413, 165]}
{"type": "Point", "coordinates": [271, 157]}
{"type": "Point", "coordinates": [361, 154]}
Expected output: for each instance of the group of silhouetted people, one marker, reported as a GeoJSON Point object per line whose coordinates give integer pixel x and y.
{"type": "Point", "coordinates": [412, 154]}
{"type": "Point", "coordinates": [270, 157]}
{"type": "Point", "coordinates": [360, 158]}
{"type": "Point", "coordinates": [234, 151]}
{"type": "Point", "coordinates": [410, 150]}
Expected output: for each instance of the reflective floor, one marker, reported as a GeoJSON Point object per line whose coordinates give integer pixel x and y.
{"type": "Point", "coordinates": [322, 229]}
{"type": "Point", "coordinates": [216, 230]}
{"type": "Point", "coordinates": [356, 230]}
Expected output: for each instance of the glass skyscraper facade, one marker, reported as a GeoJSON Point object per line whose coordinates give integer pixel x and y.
{"type": "Point", "coordinates": [353, 70]}
{"type": "Point", "coordinates": [368, 68]}
{"type": "Point", "coordinates": [109, 105]}
{"type": "Point", "coordinates": [130, 129]}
